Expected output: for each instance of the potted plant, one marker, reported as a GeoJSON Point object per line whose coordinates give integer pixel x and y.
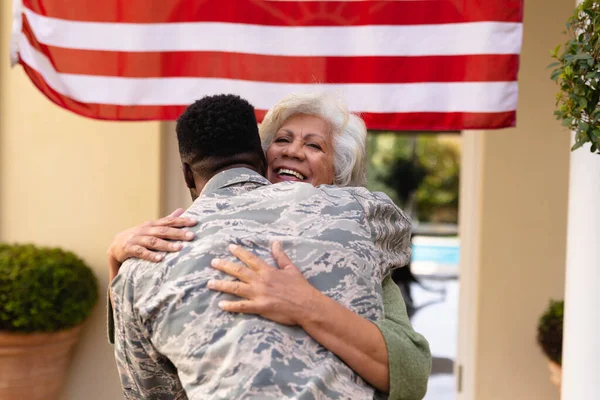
{"type": "Point", "coordinates": [577, 73]}
{"type": "Point", "coordinates": [550, 338]}
{"type": "Point", "coordinates": [45, 296]}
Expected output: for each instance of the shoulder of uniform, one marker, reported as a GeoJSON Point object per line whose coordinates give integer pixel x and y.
{"type": "Point", "coordinates": [378, 201]}
{"type": "Point", "coordinates": [133, 270]}
{"type": "Point", "coordinates": [358, 192]}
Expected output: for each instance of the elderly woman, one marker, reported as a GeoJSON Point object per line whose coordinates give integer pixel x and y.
{"type": "Point", "coordinates": [310, 138]}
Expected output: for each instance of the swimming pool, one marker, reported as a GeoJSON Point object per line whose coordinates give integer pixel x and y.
{"type": "Point", "coordinates": [435, 255]}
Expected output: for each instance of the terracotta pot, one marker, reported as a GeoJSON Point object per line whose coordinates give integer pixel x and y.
{"type": "Point", "coordinates": [33, 366]}
{"type": "Point", "coordinates": [555, 373]}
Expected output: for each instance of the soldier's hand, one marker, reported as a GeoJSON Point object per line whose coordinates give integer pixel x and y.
{"type": "Point", "coordinates": [281, 294]}
{"type": "Point", "coordinates": [146, 240]}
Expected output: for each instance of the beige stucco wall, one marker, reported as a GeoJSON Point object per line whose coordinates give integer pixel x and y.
{"type": "Point", "coordinates": [523, 222]}
{"type": "Point", "coordinates": [72, 182]}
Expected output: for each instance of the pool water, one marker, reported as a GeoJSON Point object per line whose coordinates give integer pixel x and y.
{"type": "Point", "coordinates": [435, 255]}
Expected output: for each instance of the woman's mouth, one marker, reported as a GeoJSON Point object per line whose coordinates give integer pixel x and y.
{"type": "Point", "coordinates": [289, 174]}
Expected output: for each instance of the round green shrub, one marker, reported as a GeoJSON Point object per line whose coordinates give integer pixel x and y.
{"type": "Point", "coordinates": [550, 330]}
{"type": "Point", "coordinates": [43, 289]}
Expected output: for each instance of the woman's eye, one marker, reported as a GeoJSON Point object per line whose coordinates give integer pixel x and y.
{"type": "Point", "coordinates": [282, 139]}
{"type": "Point", "coordinates": [314, 145]}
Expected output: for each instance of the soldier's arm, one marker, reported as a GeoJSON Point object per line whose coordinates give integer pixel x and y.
{"type": "Point", "coordinates": [408, 352]}
{"type": "Point", "coordinates": [144, 373]}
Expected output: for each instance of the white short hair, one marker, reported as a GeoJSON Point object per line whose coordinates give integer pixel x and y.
{"type": "Point", "coordinates": [347, 129]}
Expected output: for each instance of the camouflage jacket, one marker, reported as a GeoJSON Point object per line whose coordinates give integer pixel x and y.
{"type": "Point", "coordinates": [173, 342]}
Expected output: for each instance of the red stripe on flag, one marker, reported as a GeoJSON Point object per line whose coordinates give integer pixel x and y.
{"type": "Point", "coordinates": [381, 121]}
{"type": "Point", "coordinates": [282, 13]}
{"type": "Point", "coordinates": [282, 69]}
{"type": "Point", "coordinates": [439, 122]}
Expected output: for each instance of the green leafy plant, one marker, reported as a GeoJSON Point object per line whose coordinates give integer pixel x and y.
{"type": "Point", "coordinates": [550, 330]}
{"type": "Point", "coordinates": [43, 289]}
{"type": "Point", "coordinates": [577, 72]}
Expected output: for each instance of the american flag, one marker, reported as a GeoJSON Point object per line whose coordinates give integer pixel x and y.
{"type": "Point", "coordinates": [404, 65]}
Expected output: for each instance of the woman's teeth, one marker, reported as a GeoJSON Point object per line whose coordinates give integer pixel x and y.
{"type": "Point", "coordinates": [284, 171]}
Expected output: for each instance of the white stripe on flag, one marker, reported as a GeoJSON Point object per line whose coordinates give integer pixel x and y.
{"type": "Point", "coordinates": [17, 25]}
{"type": "Point", "coordinates": [378, 98]}
{"type": "Point", "coordinates": [372, 40]}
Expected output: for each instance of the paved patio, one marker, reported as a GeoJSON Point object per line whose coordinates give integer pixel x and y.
{"type": "Point", "coordinates": [438, 322]}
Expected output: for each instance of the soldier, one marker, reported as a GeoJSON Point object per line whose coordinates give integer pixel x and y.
{"type": "Point", "coordinates": [173, 338]}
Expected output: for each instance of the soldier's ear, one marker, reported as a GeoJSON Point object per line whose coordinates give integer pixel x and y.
{"type": "Point", "coordinates": [188, 175]}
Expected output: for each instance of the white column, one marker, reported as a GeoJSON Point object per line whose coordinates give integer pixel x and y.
{"type": "Point", "coordinates": [581, 340]}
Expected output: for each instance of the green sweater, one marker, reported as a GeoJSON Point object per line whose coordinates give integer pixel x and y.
{"type": "Point", "coordinates": [408, 352]}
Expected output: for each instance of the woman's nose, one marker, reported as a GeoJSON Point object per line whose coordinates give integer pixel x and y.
{"type": "Point", "coordinates": [294, 150]}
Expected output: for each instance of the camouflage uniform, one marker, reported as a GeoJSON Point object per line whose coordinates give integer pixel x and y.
{"type": "Point", "coordinates": [172, 340]}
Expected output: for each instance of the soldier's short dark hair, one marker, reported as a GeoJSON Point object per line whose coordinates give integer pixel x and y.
{"type": "Point", "coordinates": [219, 127]}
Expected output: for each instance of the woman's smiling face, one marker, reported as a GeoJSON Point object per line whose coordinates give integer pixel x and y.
{"type": "Point", "coordinates": [302, 151]}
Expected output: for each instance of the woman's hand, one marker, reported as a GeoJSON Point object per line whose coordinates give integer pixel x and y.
{"type": "Point", "coordinates": [281, 295]}
{"type": "Point", "coordinates": [143, 241]}
{"type": "Point", "coordinates": [284, 296]}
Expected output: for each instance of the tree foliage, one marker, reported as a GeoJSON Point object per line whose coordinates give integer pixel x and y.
{"type": "Point", "coordinates": [421, 174]}
{"type": "Point", "coordinates": [577, 73]}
